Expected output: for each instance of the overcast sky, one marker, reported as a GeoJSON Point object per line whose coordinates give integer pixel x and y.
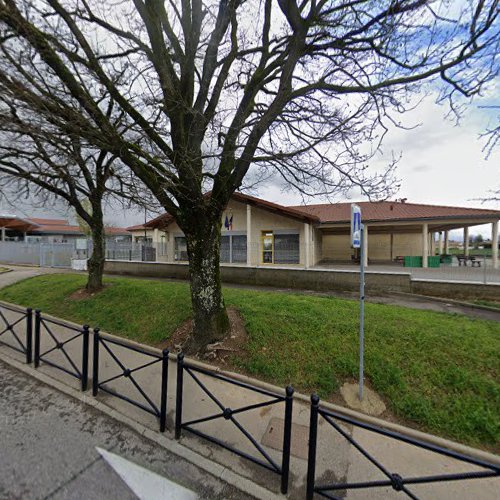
{"type": "Point", "coordinates": [441, 164]}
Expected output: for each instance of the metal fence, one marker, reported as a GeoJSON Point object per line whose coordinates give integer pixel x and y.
{"type": "Point", "coordinates": [394, 480]}
{"type": "Point", "coordinates": [44, 327]}
{"type": "Point", "coordinates": [18, 323]}
{"type": "Point", "coordinates": [14, 319]}
{"type": "Point", "coordinates": [229, 414]}
{"type": "Point", "coordinates": [128, 373]}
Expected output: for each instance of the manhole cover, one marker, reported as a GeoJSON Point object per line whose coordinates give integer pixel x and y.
{"type": "Point", "coordinates": [273, 437]}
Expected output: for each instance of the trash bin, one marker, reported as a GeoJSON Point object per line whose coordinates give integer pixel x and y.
{"type": "Point", "coordinates": [433, 261]}
{"type": "Point", "coordinates": [412, 261]}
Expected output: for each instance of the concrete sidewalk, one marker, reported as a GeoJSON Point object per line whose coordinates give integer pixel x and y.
{"type": "Point", "coordinates": [337, 459]}
{"type": "Point", "coordinates": [52, 447]}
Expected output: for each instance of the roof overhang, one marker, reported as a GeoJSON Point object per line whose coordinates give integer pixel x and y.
{"type": "Point", "coordinates": [409, 225]}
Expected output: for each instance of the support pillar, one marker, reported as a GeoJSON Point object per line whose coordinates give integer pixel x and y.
{"type": "Point", "coordinates": [249, 235]}
{"type": "Point", "coordinates": [446, 242]}
{"type": "Point", "coordinates": [466, 241]}
{"type": "Point", "coordinates": [425, 244]}
{"type": "Point", "coordinates": [365, 245]}
{"type": "Point", "coordinates": [494, 244]}
{"type": "Point", "coordinates": [307, 244]}
{"type": "Point", "coordinates": [3, 234]}
{"type": "Point", "coordinates": [440, 242]}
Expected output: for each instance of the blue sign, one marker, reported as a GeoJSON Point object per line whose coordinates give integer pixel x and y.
{"type": "Point", "coordinates": [355, 226]}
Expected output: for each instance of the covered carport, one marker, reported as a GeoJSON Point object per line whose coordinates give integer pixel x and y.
{"type": "Point", "coordinates": [14, 226]}
{"type": "Point", "coordinates": [397, 229]}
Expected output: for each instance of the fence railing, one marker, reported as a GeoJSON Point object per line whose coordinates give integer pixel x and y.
{"type": "Point", "coordinates": [44, 327]}
{"type": "Point", "coordinates": [45, 332]}
{"type": "Point", "coordinates": [9, 327]}
{"type": "Point", "coordinates": [128, 373]}
{"type": "Point", "coordinates": [394, 480]}
{"type": "Point", "coordinates": [228, 414]}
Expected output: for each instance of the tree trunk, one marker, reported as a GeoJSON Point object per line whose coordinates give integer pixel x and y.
{"type": "Point", "coordinates": [96, 261]}
{"type": "Point", "coordinates": [211, 322]}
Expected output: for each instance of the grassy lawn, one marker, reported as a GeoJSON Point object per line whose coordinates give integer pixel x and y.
{"type": "Point", "coordinates": [436, 371]}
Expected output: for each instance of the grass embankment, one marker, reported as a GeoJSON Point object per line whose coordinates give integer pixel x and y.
{"type": "Point", "coordinates": [437, 371]}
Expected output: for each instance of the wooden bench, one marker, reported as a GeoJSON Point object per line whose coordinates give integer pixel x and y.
{"type": "Point", "coordinates": [462, 259]}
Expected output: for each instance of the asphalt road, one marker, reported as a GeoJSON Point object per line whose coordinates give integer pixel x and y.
{"type": "Point", "coordinates": [48, 449]}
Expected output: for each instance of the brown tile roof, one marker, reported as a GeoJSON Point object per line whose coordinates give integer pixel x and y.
{"type": "Point", "coordinates": [49, 222]}
{"type": "Point", "coordinates": [137, 227]}
{"type": "Point", "coordinates": [383, 211]}
{"type": "Point", "coordinates": [293, 212]}
{"type": "Point", "coordinates": [162, 221]}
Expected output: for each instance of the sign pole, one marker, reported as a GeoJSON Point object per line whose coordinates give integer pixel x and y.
{"type": "Point", "coordinates": [358, 241]}
{"type": "Point", "coordinates": [361, 312]}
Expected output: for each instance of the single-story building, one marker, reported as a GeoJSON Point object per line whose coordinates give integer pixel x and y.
{"type": "Point", "coordinates": [256, 232]}
{"type": "Point", "coordinates": [34, 229]}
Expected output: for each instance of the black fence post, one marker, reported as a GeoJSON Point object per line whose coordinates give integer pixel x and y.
{"type": "Point", "coordinates": [287, 437]}
{"type": "Point", "coordinates": [313, 437]}
{"type": "Point", "coordinates": [38, 322]}
{"type": "Point", "coordinates": [95, 366]}
{"type": "Point", "coordinates": [85, 357]}
{"type": "Point", "coordinates": [164, 389]}
{"type": "Point", "coordinates": [178, 395]}
{"type": "Point", "coordinates": [29, 335]}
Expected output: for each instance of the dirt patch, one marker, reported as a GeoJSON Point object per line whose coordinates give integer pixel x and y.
{"type": "Point", "coordinates": [220, 353]}
{"type": "Point", "coordinates": [83, 293]}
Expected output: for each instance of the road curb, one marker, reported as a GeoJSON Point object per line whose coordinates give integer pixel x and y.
{"type": "Point", "coordinates": [217, 470]}
{"type": "Point", "coordinates": [455, 302]}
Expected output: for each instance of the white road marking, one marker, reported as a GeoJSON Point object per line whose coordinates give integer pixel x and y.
{"type": "Point", "coordinates": [147, 485]}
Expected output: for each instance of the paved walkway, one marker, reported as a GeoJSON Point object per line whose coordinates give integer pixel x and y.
{"type": "Point", "coordinates": [337, 459]}
{"type": "Point", "coordinates": [19, 273]}
{"type": "Point", "coordinates": [446, 272]}
{"type": "Point", "coordinates": [55, 447]}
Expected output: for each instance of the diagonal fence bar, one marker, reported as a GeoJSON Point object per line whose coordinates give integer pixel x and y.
{"type": "Point", "coordinates": [228, 414]}
{"type": "Point", "coordinates": [394, 480]}
{"type": "Point", "coordinates": [9, 327]}
{"type": "Point", "coordinates": [45, 327]}
{"type": "Point", "coordinates": [147, 404]}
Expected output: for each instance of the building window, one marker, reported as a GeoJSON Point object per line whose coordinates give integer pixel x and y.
{"type": "Point", "coordinates": [281, 248]}
{"type": "Point", "coordinates": [267, 247]}
{"type": "Point", "coordinates": [233, 248]}
{"type": "Point", "coordinates": [180, 248]}
{"type": "Point", "coordinates": [140, 239]}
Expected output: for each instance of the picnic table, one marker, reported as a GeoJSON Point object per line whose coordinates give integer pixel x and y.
{"type": "Point", "coordinates": [463, 259]}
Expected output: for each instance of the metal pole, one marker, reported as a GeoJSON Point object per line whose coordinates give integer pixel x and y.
{"type": "Point", "coordinates": [178, 395]}
{"type": "Point", "coordinates": [37, 338]}
{"type": "Point", "coordinates": [29, 335]}
{"type": "Point", "coordinates": [311, 456]}
{"type": "Point", "coordinates": [85, 357]}
{"type": "Point", "coordinates": [484, 267]}
{"type": "Point", "coordinates": [362, 314]}
{"type": "Point", "coordinates": [95, 366]}
{"type": "Point", "coordinates": [164, 388]}
{"type": "Point", "coordinates": [287, 436]}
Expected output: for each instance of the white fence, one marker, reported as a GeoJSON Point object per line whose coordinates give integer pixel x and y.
{"type": "Point", "coordinates": [37, 254]}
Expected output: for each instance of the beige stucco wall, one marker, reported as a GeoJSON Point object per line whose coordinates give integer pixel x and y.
{"type": "Point", "coordinates": [407, 244]}
{"type": "Point", "coordinates": [261, 220]}
{"type": "Point", "coordinates": [379, 246]}
{"type": "Point", "coordinates": [338, 247]}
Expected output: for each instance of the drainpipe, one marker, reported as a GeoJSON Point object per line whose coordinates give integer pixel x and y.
{"type": "Point", "coordinates": [425, 244]}
{"type": "Point", "coordinates": [249, 235]}
{"type": "Point", "coordinates": [307, 241]}
{"type": "Point", "coordinates": [494, 244]}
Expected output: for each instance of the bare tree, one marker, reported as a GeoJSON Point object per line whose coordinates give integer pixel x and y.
{"type": "Point", "coordinates": [215, 88]}
{"type": "Point", "coordinates": [38, 160]}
